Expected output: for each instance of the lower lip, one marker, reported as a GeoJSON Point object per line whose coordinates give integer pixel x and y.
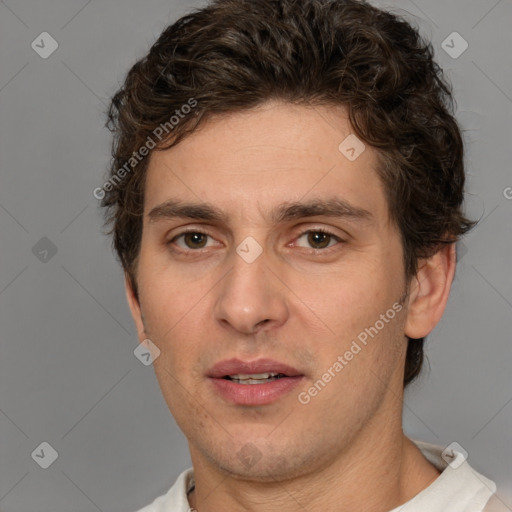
{"type": "Point", "coordinates": [255, 394]}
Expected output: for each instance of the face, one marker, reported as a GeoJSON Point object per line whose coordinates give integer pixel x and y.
{"type": "Point", "coordinates": [288, 255]}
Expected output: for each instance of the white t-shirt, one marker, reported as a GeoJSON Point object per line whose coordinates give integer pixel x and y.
{"type": "Point", "coordinates": [459, 488]}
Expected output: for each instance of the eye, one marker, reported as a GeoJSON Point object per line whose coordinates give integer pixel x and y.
{"type": "Point", "coordinates": [319, 239]}
{"type": "Point", "coordinates": [191, 240]}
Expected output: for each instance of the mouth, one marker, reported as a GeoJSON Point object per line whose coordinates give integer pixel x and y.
{"type": "Point", "coordinates": [253, 383]}
{"type": "Point", "coordinates": [258, 370]}
{"type": "Point", "coordinates": [256, 378]}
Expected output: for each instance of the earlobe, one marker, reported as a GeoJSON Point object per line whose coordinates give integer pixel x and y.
{"type": "Point", "coordinates": [134, 305]}
{"type": "Point", "coordinates": [430, 289]}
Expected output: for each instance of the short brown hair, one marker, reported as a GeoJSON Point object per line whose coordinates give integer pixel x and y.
{"type": "Point", "coordinates": [233, 55]}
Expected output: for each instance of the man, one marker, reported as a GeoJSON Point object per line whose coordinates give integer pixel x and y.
{"type": "Point", "coordinates": [285, 197]}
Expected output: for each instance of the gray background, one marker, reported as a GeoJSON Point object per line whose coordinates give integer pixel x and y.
{"type": "Point", "coordinates": [68, 374]}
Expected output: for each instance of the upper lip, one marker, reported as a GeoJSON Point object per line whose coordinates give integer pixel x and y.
{"type": "Point", "coordinates": [236, 366]}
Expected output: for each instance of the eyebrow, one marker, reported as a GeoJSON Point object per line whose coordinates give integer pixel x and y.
{"type": "Point", "coordinates": [334, 207]}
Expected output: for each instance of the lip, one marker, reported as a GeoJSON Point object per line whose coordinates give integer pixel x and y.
{"type": "Point", "coordinates": [234, 366]}
{"type": "Point", "coordinates": [253, 394]}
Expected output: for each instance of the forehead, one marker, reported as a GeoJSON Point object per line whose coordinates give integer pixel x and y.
{"type": "Point", "coordinates": [246, 162]}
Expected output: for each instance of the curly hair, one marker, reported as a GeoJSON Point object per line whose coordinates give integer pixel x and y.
{"type": "Point", "coordinates": [232, 55]}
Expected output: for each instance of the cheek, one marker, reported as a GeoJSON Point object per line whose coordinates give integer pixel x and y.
{"type": "Point", "coordinates": [347, 307]}
{"type": "Point", "coordinates": [346, 299]}
{"type": "Point", "coordinates": [166, 297]}
{"type": "Point", "coordinates": [177, 312]}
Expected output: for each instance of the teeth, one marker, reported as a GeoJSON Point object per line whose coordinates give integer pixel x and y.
{"type": "Point", "coordinates": [255, 378]}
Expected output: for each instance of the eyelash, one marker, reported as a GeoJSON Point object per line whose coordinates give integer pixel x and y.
{"type": "Point", "coordinates": [315, 230]}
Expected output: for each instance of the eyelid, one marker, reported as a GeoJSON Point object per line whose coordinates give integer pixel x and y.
{"type": "Point", "coordinates": [199, 231]}
{"type": "Point", "coordinates": [320, 230]}
{"type": "Point", "coordinates": [317, 229]}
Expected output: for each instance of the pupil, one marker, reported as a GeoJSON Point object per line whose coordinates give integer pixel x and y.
{"type": "Point", "coordinates": [195, 239]}
{"type": "Point", "coordinates": [319, 238]}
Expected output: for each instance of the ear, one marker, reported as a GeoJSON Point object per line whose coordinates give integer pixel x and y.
{"type": "Point", "coordinates": [429, 292]}
{"type": "Point", "coordinates": [134, 308]}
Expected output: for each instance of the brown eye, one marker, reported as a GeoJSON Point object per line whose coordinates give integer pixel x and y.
{"type": "Point", "coordinates": [319, 239]}
{"type": "Point", "coordinates": [195, 240]}
{"type": "Point", "coordinates": [191, 240]}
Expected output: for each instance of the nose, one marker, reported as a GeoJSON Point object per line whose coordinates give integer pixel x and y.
{"type": "Point", "coordinates": [250, 297]}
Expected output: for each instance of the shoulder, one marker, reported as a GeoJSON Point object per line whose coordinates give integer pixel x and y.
{"type": "Point", "coordinates": [175, 500]}
{"type": "Point", "coordinates": [496, 505]}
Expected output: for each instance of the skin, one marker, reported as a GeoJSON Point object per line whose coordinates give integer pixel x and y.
{"type": "Point", "coordinates": [302, 302]}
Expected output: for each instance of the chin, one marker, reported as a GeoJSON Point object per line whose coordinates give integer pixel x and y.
{"type": "Point", "coordinates": [259, 461]}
